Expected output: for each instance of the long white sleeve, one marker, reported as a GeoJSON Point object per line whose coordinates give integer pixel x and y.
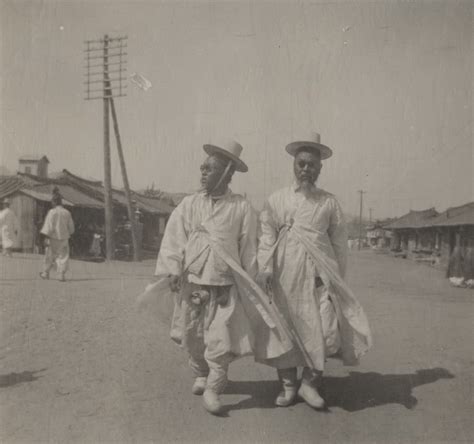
{"type": "Point", "coordinates": [268, 237]}
{"type": "Point", "coordinates": [248, 241]}
{"type": "Point", "coordinates": [337, 232]}
{"type": "Point", "coordinates": [171, 255]}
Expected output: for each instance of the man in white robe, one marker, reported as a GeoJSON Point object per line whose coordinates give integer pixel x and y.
{"type": "Point", "coordinates": [208, 256]}
{"type": "Point", "coordinates": [302, 261]}
{"type": "Point", "coordinates": [58, 227]}
{"type": "Point", "coordinates": [8, 228]}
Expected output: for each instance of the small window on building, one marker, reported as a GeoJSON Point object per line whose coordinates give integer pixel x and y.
{"type": "Point", "coordinates": [28, 170]}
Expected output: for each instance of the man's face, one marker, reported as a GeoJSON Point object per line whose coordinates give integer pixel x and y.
{"type": "Point", "coordinates": [307, 167]}
{"type": "Point", "coordinates": [211, 172]}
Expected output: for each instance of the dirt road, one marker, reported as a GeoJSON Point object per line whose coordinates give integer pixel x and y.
{"type": "Point", "coordinates": [79, 363]}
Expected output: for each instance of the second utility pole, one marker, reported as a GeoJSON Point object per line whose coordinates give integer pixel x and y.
{"type": "Point", "coordinates": [361, 192]}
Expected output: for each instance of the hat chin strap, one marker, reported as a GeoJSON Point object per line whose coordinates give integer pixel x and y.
{"type": "Point", "coordinates": [224, 174]}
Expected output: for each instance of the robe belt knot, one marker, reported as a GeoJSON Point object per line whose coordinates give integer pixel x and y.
{"type": "Point", "coordinates": [288, 224]}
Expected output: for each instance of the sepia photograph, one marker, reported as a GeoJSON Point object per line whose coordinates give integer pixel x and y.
{"type": "Point", "coordinates": [236, 221]}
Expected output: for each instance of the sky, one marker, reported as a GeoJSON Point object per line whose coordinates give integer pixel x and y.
{"type": "Point", "coordinates": [387, 84]}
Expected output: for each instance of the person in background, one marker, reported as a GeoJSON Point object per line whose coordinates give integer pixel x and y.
{"type": "Point", "coordinates": [8, 228]}
{"type": "Point", "coordinates": [58, 228]}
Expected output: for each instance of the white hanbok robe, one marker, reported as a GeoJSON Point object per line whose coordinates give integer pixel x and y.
{"type": "Point", "coordinates": [214, 242]}
{"type": "Point", "coordinates": [58, 227]}
{"type": "Point", "coordinates": [303, 238]}
{"type": "Point", "coordinates": [8, 226]}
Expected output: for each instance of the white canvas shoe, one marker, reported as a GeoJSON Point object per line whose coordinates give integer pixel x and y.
{"type": "Point", "coordinates": [286, 397]}
{"type": "Point", "coordinates": [288, 380]}
{"type": "Point", "coordinates": [310, 395]}
{"type": "Point", "coordinates": [211, 402]}
{"type": "Point", "coordinates": [199, 385]}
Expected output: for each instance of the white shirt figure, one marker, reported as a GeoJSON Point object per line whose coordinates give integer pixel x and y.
{"type": "Point", "coordinates": [58, 227]}
{"type": "Point", "coordinates": [58, 224]}
{"type": "Point", "coordinates": [8, 227]}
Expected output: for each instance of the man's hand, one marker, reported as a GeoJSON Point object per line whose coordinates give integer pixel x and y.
{"type": "Point", "coordinates": [175, 284]}
{"type": "Point", "coordinates": [264, 279]}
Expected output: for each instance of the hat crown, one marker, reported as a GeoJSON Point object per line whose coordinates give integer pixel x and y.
{"type": "Point", "coordinates": [313, 136]}
{"type": "Point", "coordinates": [230, 145]}
{"type": "Point", "coordinates": [230, 149]}
{"type": "Point", "coordinates": [312, 140]}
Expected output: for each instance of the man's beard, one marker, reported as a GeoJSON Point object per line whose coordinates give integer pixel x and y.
{"type": "Point", "coordinates": [307, 184]}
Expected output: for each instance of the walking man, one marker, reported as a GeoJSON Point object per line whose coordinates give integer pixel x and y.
{"type": "Point", "coordinates": [58, 228]}
{"type": "Point", "coordinates": [8, 228]}
{"type": "Point", "coordinates": [208, 259]}
{"type": "Point", "coordinates": [302, 261]}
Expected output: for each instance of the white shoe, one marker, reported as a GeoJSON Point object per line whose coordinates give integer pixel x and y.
{"type": "Point", "coordinates": [199, 385]}
{"type": "Point", "coordinates": [211, 402]}
{"type": "Point", "coordinates": [286, 397]}
{"type": "Point", "coordinates": [310, 395]}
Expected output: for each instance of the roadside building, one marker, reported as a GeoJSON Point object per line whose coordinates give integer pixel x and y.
{"type": "Point", "coordinates": [445, 240]}
{"type": "Point", "coordinates": [30, 196]}
{"type": "Point", "coordinates": [378, 237]}
{"type": "Point", "coordinates": [454, 228]}
{"type": "Point", "coordinates": [411, 233]}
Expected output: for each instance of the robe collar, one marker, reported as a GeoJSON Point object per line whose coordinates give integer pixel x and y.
{"type": "Point", "coordinates": [220, 197]}
{"type": "Point", "coordinates": [295, 186]}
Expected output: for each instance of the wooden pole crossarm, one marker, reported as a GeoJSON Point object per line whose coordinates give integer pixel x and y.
{"type": "Point", "coordinates": [115, 79]}
{"type": "Point", "coordinates": [101, 73]}
{"type": "Point", "coordinates": [123, 62]}
{"type": "Point", "coordinates": [109, 55]}
{"type": "Point", "coordinates": [105, 97]}
{"type": "Point", "coordinates": [109, 89]}
{"type": "Point", "coordinates": [110, 39]}
{"type": "Point", "coordinates": [102, 48]}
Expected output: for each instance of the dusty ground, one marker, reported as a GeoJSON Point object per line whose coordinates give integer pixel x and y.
{"type": "Point", "coordinates": [79, 363]}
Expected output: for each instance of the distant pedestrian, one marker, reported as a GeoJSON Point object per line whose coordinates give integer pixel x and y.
{"type": "Point", "coordinates": [8, 228]}
{"type": "Point", "coordinates": [58, 228]}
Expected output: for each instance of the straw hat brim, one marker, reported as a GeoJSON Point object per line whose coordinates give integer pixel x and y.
{"type": "Point", "coordinates": [239, 164]}
{"type": "Point", "coordinates": [324, 151]}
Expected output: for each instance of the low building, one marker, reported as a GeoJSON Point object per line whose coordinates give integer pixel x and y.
{"type": "Point", "coordinates": [30, 197]}
{"type": "Point", "coordinates": [378, 237]}
{"type": "Point", "coordinates": [453, 228]}
{"type": "Point", "coordinates": [34, 165]}
{"type": "Point", "coordinates": [410, 235]}
{"type": "Point", "coordinates": [432, 237]}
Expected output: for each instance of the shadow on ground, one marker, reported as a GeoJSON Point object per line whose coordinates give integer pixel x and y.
{"type": "Point", "coordinates": [13, 378]}
{"type": "Point", "coordinates": [357, 391]}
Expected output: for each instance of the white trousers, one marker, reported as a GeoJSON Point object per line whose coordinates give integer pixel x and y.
{"type": "Point", "coordinates": [57, 252]}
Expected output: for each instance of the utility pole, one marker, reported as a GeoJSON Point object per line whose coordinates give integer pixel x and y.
{"type": "Point", "coordinates": [104, 57]}
{"type": "Point", "coordinates": [370, 215]}
{"type": "Point", "coordinates": [361, 192]}
{"type": "Point", "coordinates": [128, 194]}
